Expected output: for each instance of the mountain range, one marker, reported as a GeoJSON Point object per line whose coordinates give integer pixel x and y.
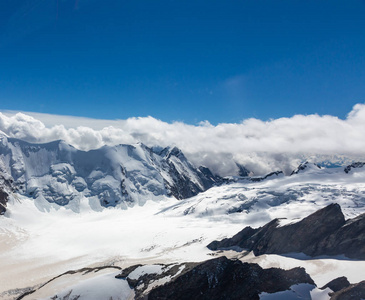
{"type": "Point", "coordinates": [122, 175]}
{"type": "Point", "coordinates": [135, 222]}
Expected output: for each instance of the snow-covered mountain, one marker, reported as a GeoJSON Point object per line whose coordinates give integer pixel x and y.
{"type": "Point", "coordinates": [309, 188]}
{"type": "Point", "coordinates": [122, 175]}
{"type": "Point", "coordinates": [62, 238]}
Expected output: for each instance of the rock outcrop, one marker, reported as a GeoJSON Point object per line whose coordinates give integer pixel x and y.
{"type": "Point", "coordinates": [3, 200]}
{"type": "Point", "coordinates": [352, 292]}
{"type": "Point", "coordinates": [354, 165]}
{"type": "Point", "coordinates": [222, 278]}
{"type": "Point", "coordinates": [270, 175]}
{"type": "Point", "coordinates": [337, 284]}
{"type": "Point", "coordinates": [325, 232]}
{"type": "Point", "coordinates": [219, 278]}
{"type": "Point", "coordinates": [306, 166]}
{"type": "Point", "coordinates": [6, 187]}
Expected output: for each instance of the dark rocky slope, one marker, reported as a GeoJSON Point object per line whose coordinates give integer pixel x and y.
{"type": "Point", "coordinates": [222, 278]}
{"type": "Point", "coordinates": [324, 232]}
{"type": "Point", "coordinates": [353, 166]}
{"type": "Point", "coordinates": [6, 187]}
{"type": "Point", "coordinates": [219, 278]}
{"type": "Point", "coordinates": [343, 290]}
{"type": "Point", "coordinates": [3, 200]}
{"type": "Point", "coordinates": [337, 284]}
{"type": "Point", "coordinates": [352, 292]}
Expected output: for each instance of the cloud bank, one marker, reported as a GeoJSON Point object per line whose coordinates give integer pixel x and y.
{"type": "Point", "coordinates": [261, 146]}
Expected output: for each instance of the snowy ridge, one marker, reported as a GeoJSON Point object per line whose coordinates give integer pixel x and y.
{"type": "Point", "coordinates": [324, 232]}
{"type": "Point", "coordinates": [310, 188]}
{"type": "Point", "coordinates": [121, 175]}
{"type": "Point", "coordinates": [305, 167]}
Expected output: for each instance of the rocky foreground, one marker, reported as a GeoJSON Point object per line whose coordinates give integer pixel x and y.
{"type": "Point", "coordinates": [215, 279]}
{"type": "Point", "coordinates": [219, 278]}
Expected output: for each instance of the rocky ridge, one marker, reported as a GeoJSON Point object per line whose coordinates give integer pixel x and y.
{"type": "Point", "coordinates": [215, 279]}
{"type": "Point", "coordinates": [219, 278]}
{"type": "Point", "coordinates": [6, 188]}
{"type": "Point", "coordinates": [352, 292]}
{"type": "Point", "coordinates": [222, 278]}
{"type": "Point", "coordinates": [324, 232]}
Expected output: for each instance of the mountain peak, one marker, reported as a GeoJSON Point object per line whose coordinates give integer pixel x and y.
{"type": "Point", "coordinates": [167, 152]}
{"type": "Point", "coordinates": [305, 167]}
{"type": "Point", "coordinates": [354, 165]}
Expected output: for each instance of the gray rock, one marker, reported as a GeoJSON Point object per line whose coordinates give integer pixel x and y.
{"type": "Point", "coordinates": [352, 292]}
{"type": "Point", "coordinates": [337, 284]}
{"type": "Point", "coordinates": [354, 165]}
{"type": "Point", "coordinates": [222, 278]}
{"type": "Point", "coordinates": [302, 167]}
{"type": "Point", "coordinates": [324, 232]}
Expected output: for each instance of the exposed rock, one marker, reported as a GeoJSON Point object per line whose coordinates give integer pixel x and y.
{"type": "Point", "coordinates": [353, 166]}
{"type": "Point", "coordinates": [348, 240]}
{"type": "Point", "coordinates": [219, 278]}
{"type": "Point", "coordinates": [304, 166]}
{"type": "Point", "coordinates": [237, 242]}
{"type": "Point", "coordinates": [324, 232]}
{"type": "Point", "coordinates": [143, 283]}
{"type": "Point", "coordinates": [242, 171]}
{"type": "Point", "coordinates": [4, 197]}
{"type": "Point", "coordinates": [182, 185]}
{"type": "Point", "coordinates": [302, 236]}
{"type": "Point", "coordinates": [222, 278]}
{"type": "Point", "coordinates": [257, 179]}
{"type": "Point", "coordinates": [208, 178]}
{"type": "Point", "coordinates": [125, 272]}
{"type": "Point", "coordinates": [352, 292]}
{"type": "Point", "coordinates": [337, 284]}
{"type": "Point", "coordinates": [6, 186]}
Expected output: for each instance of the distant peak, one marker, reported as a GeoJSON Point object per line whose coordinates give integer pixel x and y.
{"type": "Point", "coordinates": [306, 166]}
{"type": "Point", "coordinates": [353, 166]}
{"type": "Point", "coordinates": [171, 151]}
{"type": "Point", "coordinates": [175, 151]}
{"type": "Point", "coordinates": [242, 170]}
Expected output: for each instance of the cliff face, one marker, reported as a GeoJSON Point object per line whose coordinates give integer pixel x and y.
{"type": "Point", "coordinates": [6, 187]}
{"type": "Point", "coordinates": [3, 200]}
{"type": "Point", "coordinates": [325, 232]}
{"type": "Point", "coordinates": [352, 292]}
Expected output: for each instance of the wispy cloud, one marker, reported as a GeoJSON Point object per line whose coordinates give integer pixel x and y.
{"type": "Point", "coordinates": [262, 146]}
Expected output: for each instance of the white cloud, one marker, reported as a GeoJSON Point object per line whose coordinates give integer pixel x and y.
{"type": "Point", "coordinates": [261, 146]}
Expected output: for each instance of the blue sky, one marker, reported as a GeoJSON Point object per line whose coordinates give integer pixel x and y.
{"type": "Point", "coordinates": [221, 61]}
